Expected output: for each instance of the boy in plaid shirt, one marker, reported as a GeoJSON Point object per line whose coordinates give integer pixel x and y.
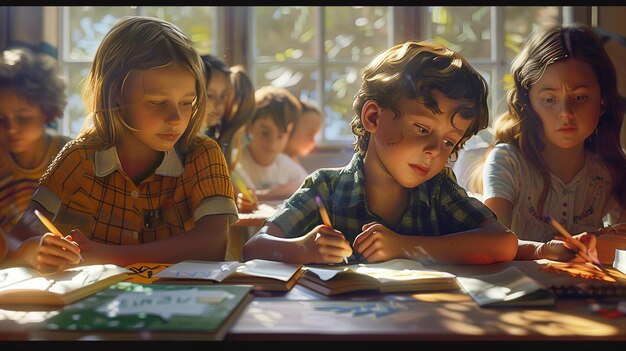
{"type": "Point", "coordinates": [418, 103]}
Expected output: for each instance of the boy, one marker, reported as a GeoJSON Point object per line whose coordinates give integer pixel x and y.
{"type": "Point", "coordinates": [417, 105]}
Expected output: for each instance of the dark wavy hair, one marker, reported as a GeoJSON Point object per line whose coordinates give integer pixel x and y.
{"type": "Point", "coordinates": [34, 79]}
{"type": "Point", "coordinates": [521, 127]}
{"type": "Point", "coordinates": [412, 71]}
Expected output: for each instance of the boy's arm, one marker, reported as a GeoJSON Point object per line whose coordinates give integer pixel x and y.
{"type": "Point", "coordinates": [320, 245]}
{"type": "Point", "coordinates": [490, 242]}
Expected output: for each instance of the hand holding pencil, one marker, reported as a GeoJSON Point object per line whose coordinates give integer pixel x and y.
{"type": "Point", "coordinates": [325, 218]}
{"type": "Point", "coordinates": [581, 249]}
{"type": "Point", "coordinates": [46, 222]}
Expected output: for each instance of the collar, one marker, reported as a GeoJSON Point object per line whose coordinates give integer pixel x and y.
{"type": "Point", "coordinates": [107, 161]}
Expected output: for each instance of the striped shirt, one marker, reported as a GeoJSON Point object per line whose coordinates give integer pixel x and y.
{"type": "Point", "coordinates": [437, 207]}
{"type": "Point", "coordinates": [18, 184]}
{"type": "Point", "coordinates": [87, 189]}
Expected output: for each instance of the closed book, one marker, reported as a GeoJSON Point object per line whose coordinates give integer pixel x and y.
{"type": "Point", "coordinates": [128, 311]}
{"type": "Point", "coordinates": [510, 287]}
{"type": "Point", "coordinates": [261, 274]}
{"type": "Point", "coordinates": [397, 275]}
{"type": "Point", "coordinates": [26, 286]}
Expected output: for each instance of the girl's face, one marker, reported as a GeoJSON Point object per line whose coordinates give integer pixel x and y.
{"type": "Point", "coordinates": [416, 146]}
{"type": "Point", "coordinates": [302, 140]}
{"type": "Point", "coordinates": [159, 105]}
{"type": "Point", "coordinates": [216, 96]}
{"type": "Point", "coordinates": [568, 101]}
{"type": "Point", "coordinates": [22, 124]}
{"type": "Point", "coordinates": [266, 140]}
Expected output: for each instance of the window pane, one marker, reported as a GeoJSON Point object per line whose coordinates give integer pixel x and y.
{"type": "Point", "coordinates": [465, 29]}
{"type": "Point", "coordinates": [300, 80]}
{"type": "Point", "coordinates": [520, 21]}
{"type": "Point", "coordinates": [355, 34]}
{"type": "Point", "coordinates": [75, 109]}
{"type": "Point", "coordinates": [87, 27]}
{"type": "Point", "coordinates": [197, 22]}
{"type": "Point", "coordinates": [340, 86]}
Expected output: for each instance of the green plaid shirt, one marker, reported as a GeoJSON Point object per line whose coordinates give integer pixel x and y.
{"type": "Point", "coordinates": [437, 207]}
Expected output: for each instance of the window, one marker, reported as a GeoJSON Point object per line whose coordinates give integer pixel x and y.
{"type": "Point", "coordinates": [316, 52]}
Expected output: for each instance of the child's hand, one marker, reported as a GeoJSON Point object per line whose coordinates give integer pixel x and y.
{"type": "Point", "coordinates": [49, 253]}
{"type": "Point", "coordinates": [378, 243]}
{"type": "Point", "coordinates": [560, 250]}
{"type": "Point", "coordinates": [326, 245]}
{"type": "Point", "coordinates": [246, 206]}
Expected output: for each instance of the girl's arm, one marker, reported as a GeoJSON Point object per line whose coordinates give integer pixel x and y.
{"type": "Point", "coordinates": [206, 241]}
{"type": "Point", "coordinates": [320, 245]}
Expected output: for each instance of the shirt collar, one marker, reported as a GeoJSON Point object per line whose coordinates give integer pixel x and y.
{"type": "Point", "coordinates": [107, 161]}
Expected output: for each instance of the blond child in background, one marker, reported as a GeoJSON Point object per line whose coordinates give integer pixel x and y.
{"type": "Point", "coordinates": [307, 125]}
{"type": "Point", "coordinates": [557, 150]}
{"type": "Point", "coordinates": [417, 104]}
{"type": "Point", "coordinates": [263, 166]}
{"type": "Point", "coordinates": [32, 96]}
{"type": "Point", "coordinates": [143, 184]}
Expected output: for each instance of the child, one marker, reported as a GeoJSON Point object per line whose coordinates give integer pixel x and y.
{"type": "Point", "coordinates": [417, 104]}
{"type": "Point", "coordinates": [142, 184]}
{"type": "Point", "coordinates": [557, 151]}
{"type": "Point", "coordinates": [32, 95]}
{"type": "Point", "coordinates": [218, 89]}
{"type": "Point", "coordinates": [307, 125]}
{"type": "Point", "coordinates": [262, 164]}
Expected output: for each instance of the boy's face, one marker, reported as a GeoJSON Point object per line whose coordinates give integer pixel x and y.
{"type": "Point", "coordinates": [22, 124]}
{"type": "Point", "coordinates": [415, 147]}
{"type": "Point", "coordinates": [302, 141]}
{"type": "Point", "coordinates": [267, 140]}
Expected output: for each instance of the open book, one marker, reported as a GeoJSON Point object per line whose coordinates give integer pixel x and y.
{"type": "Point", "coordinates": [508, 288]}
{"type": "Point", "coordinates": [127, 311]}
{"type": "Point", "coordinates": [262, 274]}
{"type": "Point", "coordinates": [397, 275]}
{"type": "Point", "coordinates": [21, 285]}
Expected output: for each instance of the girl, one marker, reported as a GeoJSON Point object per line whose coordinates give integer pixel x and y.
{"type": "Point", "coordinates": [557, 151]}
{"type": "Point", "coordinates": [32, 95]}
{"type": "Point", "coordinates": [142, 184]}
{"type": "Point", "coordinates": [307, 125]}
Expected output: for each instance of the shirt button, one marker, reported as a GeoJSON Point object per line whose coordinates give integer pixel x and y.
{"type": "Point", "coordinates": [134, 194]}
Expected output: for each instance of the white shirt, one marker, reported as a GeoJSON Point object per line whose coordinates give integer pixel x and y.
{"type": "Point", "coordinates": [583, 204]}
{"type": "Point", "coordinates": [282, 171]}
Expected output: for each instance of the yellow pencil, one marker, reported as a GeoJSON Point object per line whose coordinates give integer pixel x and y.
{"type": "Point", "coordinates": [325, 218]}
{"type": "Point", "coordinates": [52, 228]}
{"type": "Point", "coordinates": [242, 186]}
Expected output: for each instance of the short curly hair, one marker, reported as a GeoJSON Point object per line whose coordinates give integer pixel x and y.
{"type": "Point", "coordinates": [34, 79]}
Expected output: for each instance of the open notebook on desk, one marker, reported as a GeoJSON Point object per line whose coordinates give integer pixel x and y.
{"type": "Point", "coordinates": [397, 275]}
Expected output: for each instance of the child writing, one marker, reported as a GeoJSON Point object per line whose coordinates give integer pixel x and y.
{"type": "Point", "coordinates": [307, 125]}
{"type": "Point", "coordinates": [417, 104]}
{"type": "Point", "coordinates": [262, 164]}
{"type": "Point", "coordinates": [557, 150]}
{"type": "Point", "coordinates": [142, 184]}
{"type": "Point", "coordinates": [32, 95]}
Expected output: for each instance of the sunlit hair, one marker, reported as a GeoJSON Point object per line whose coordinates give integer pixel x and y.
{"type": "Point", "coordinates": [412, 71]}
{"type": "Point", "coordinates": [521, 126]}
{"type": "Point", "coordinates": [137, 43]}
{"type": "Point", "coordinates": [239, 112]}
{"type": "Point", "coordinates": [33, 79]}
{"type": "Point", "coordinates": [279, 104]}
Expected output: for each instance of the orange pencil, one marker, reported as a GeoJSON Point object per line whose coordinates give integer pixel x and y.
{"type": "Point", "coordinates": [325, 217]}
{"type": "Point", "coordinates": [52, 228]}
{"type": "Point", "coordinates": [581, 249]}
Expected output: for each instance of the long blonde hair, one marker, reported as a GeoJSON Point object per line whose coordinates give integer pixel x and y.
{"type": "Point", "coordinates": [137, 43]}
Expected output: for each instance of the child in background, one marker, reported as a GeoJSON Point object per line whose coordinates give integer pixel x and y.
{"type": "Point", "coordinates": [143, 184]}
{"type": "Point", "coordinates": [32, 95]}
{"type": "Point", "coordinates": [557, 150]}
{"type": "Point", "coordinates": [262, 164]}
{"type": "Point", "coordinates": [307, 125]}
{"type": "Point", "coordinates": [417, 104]}
{"type": "Point", "coordinates": [218, 90]}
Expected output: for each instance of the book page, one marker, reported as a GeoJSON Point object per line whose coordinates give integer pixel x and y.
{"type": "Point", "coordinates": [204, 270]}
{"type": "Point", "coordinates": [269, 269]}
{"type": "Point", "coordinates": [10, 276]}
{"type": "Point", "coordinates": [327, 272]}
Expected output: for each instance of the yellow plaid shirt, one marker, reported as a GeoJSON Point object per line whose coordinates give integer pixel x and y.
{"type": "Point", "coordinates": [87, 189]}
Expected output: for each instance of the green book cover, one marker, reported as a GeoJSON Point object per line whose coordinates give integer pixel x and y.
{"type": "Point", "coordinates": [129, 310]}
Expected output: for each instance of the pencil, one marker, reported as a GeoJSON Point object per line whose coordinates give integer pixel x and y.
{"type": "Point", "coordinates": [325, 218]}
{"type": "Point", "coordinates": [52, 228]}
{"type": "Point", "coordinates": [242, 186]}
{"type": "Point", "coordinates": [581, 249]}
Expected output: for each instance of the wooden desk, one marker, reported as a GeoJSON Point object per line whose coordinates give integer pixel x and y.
{"type": "Point", "coordinates": [302, 314]}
